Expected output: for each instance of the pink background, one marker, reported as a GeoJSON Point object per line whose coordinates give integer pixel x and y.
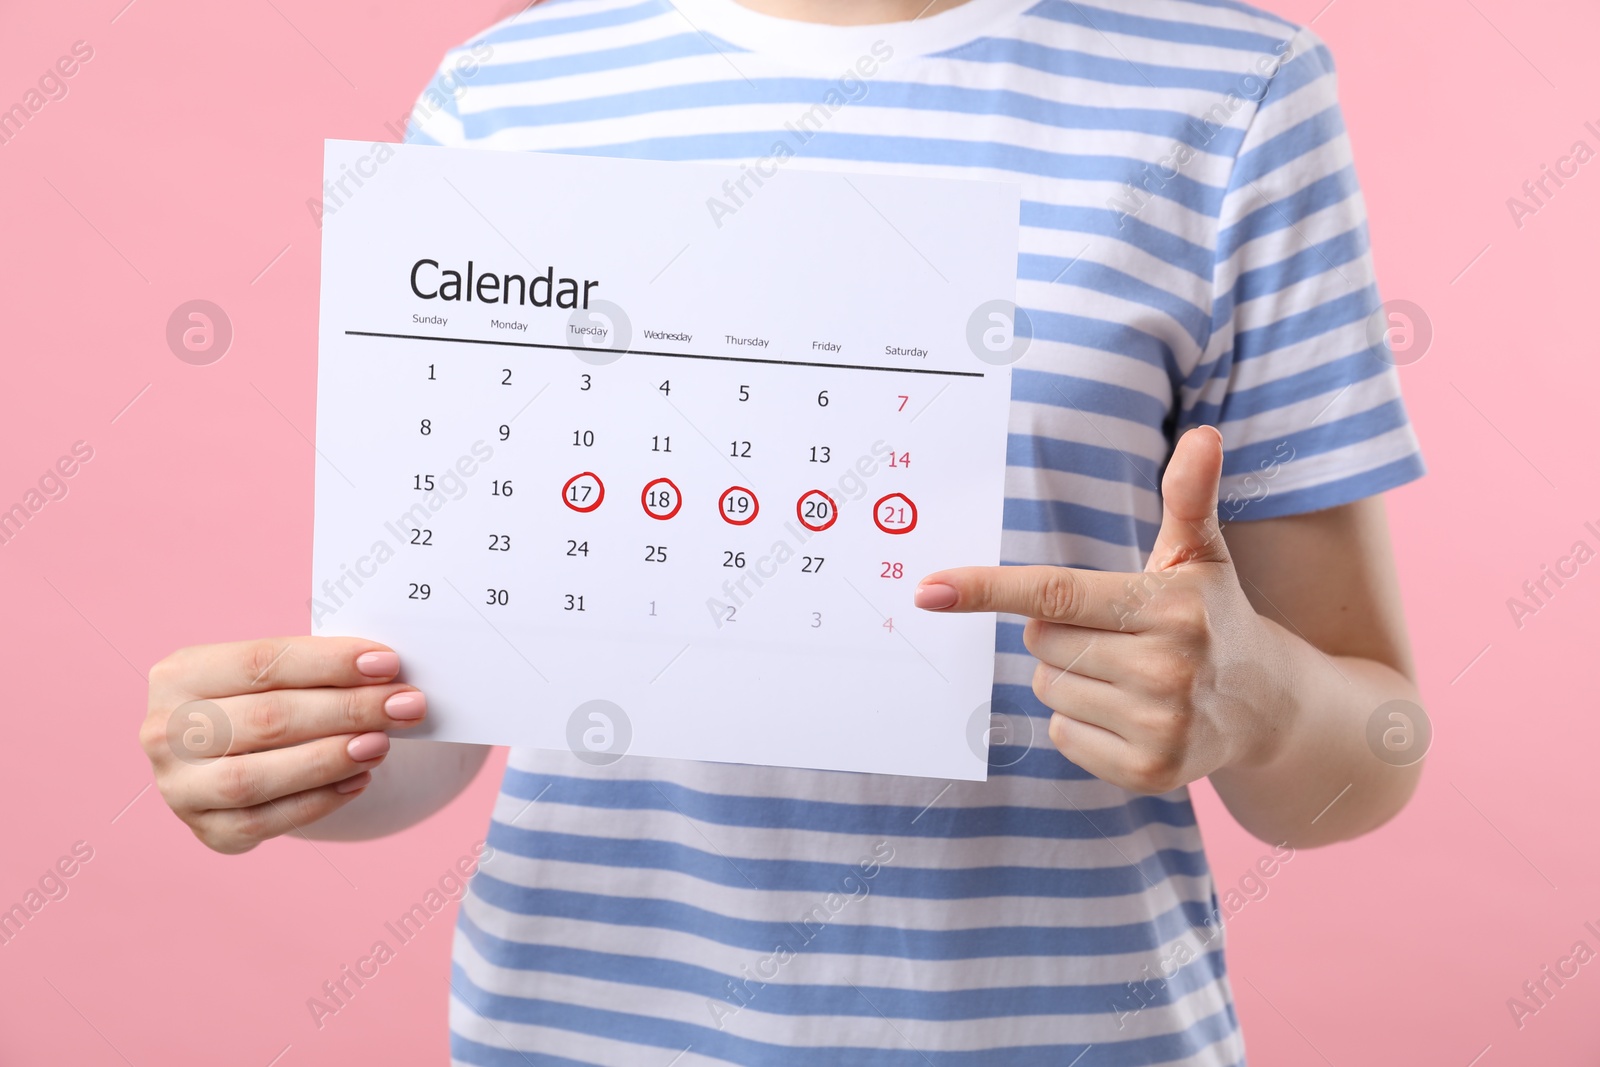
{"type": "Point", "coordinates": [178, 167]}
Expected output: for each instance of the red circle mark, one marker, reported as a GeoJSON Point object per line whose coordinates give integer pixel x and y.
{"type": "Point", "coordinates": [598, 498]}
{"type": "Point", "coordinates": [800, 511]}
{"type": "Point", "coordinates": [908, 527]}
{"type": "Point", "coordinates": [644, 498]}
{"type": "Point", "coordinates": [755, 506]}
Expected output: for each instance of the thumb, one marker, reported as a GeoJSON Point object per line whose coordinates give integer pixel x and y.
{"type": "Point", "coordinates": [1189, 529]}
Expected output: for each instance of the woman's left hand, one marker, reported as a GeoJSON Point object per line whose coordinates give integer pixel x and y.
{"type": "Point", "coordinates": [1155, 679]}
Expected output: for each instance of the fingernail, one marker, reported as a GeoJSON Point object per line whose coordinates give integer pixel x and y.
{"type": "Point", "coordinates": [368, 746]}
{"type": "Point", "coordinates": [351, 785]}
{"type": "Point", "coordinates": [406, 707]}
{"type": "Point", "coordinates": [935, 597]}
{"type": "Point", "coordinates": [378, 664]}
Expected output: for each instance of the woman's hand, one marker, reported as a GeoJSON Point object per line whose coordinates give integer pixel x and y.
{"type": "Point", "coordinates": [1155, 679]}
{"type": "Point", "coordinates": [258, 738]}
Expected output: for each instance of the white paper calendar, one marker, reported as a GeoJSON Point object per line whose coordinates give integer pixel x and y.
{"type": "Point", "coordinates": [640, 458]}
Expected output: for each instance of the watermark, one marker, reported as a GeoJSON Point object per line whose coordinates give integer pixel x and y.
{"type": "Point", "coordinates": [51, 887]}
{"type": "Point", "coordinates": [1553, 577]}
{"type": "Point", "coordinates": [408, 528]}
{"type": "Point", "coordinates": [1255, 486]}
{"type": "Point", "coordinates": [599, 732]}
{"type": "Point", "coordinates": [848, 88]}
{"type": "Point", "coordinates": [852, 888]}
{"type": "Point", "coordinates": [736, 592]}
{"type": "Point", "coordinates": [1537, 993]}
{"type": "Point", "coordinates": [988, 730]}
{"type": "Point", "coordinates": [1537, 193]}
{"type": "Point", "coordinates": [51, 87]}
{"type": "Point", "coordinates": [1399, 332]}
{"type": "Point", "coordinates": [338, 992]}
{"type": "Point", "coordinates": [1250, 888]}
{"type": "Point", "coordinates": [449, 84]}
{"type": "Point", "coordinates": [199, 731]}
{"type": "Point", "coordinates": [51, 486]}
{"type": "Point", "coordinates": [1140, 591]}
{"type": "Point", "coordinates": [999, 332]}
{"type": "Point", "coordinates": [199, 332]}
{"type": "Point", "coordinates": [1399, 732]}
{"type": "Point", "coordinates": [603, 329]}
{"type": "Point", "coordinates": [1138, 192]}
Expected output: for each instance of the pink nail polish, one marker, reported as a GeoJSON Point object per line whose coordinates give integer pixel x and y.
{"type": "Point", "coordinates": [406, 707]}
{"type": "Point", "coordinates": [935, 597]}
{"type": "Point", "coordinates": [368, 746]}
{"type": "Point", "coordinates": [351, 785]}
{"type": "Point", "coordinates": [378, 664]}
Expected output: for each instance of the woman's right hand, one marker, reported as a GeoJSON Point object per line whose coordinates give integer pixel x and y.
{"type": "Point", "coordinates": [259, 738]}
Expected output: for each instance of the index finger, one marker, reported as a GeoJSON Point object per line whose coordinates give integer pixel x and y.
{"type": "Point", "coordinates": [301, 662]}
{"type": "Point", "coordinates": [1101, 600]}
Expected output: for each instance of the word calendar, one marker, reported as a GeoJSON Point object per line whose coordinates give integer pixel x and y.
{"type": "Point", "coordinates": [644, 458]}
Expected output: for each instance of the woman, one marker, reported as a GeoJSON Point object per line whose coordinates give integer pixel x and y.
{"type": "Point", "coordinates": [1195, 265]}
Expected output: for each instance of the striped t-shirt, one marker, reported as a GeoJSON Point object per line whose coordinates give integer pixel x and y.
{"type": "Point", "coordinates": [1193, 250]}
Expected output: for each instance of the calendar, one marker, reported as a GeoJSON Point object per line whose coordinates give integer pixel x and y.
{"type": "Point", "coordinates": [643, 458]}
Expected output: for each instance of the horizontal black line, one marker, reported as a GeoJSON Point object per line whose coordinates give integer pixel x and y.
{"type": "Point", "coordinates": [669, 355]}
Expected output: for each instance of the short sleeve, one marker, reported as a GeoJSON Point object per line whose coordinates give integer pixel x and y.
{"type": "Point", "coordinates": [1297, 372]}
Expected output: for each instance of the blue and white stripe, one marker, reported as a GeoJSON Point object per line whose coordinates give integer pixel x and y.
{"type": "Point", "coordinates": [658, 909]}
